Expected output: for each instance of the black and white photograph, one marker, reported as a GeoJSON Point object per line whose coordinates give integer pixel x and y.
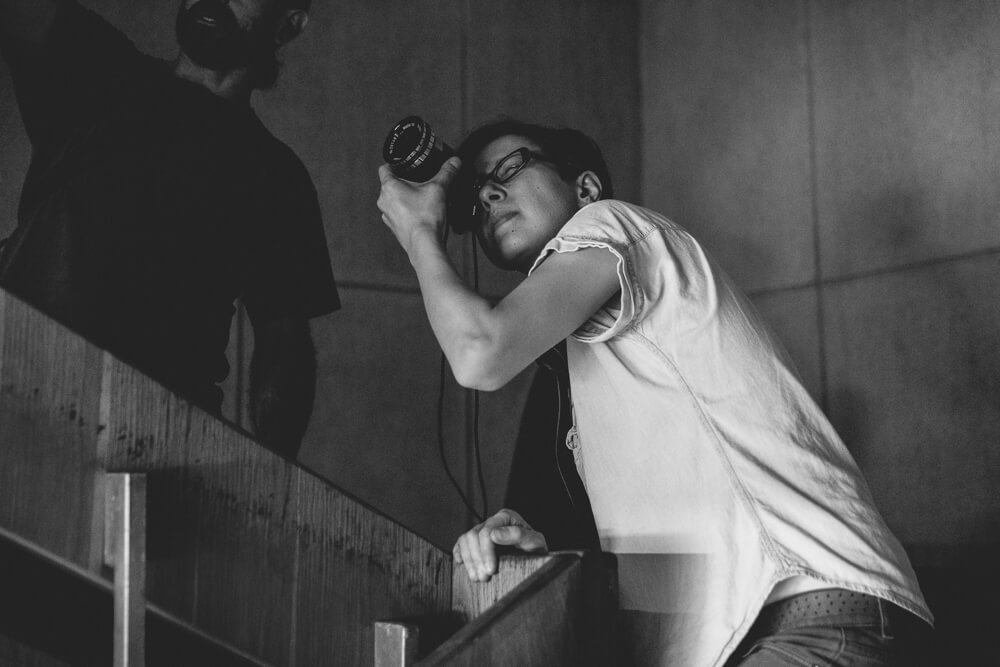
{"type": "Point", "coordinates": [523, 333]}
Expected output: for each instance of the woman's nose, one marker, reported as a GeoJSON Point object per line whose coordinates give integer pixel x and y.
{"type": "Point", "coordinates": [491, 192]}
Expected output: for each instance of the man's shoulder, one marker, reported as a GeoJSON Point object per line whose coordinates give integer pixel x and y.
{"type": "Point", "coordinates": [284, 156]}
{"type": "Point", "coordinates": [75, 26]}
{"type": "Point", "coordinates": [279, 160]}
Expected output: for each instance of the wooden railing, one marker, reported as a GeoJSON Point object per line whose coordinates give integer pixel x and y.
{"type": "Point", "coordinates": [242, 544]}
{"type": "Point", "coordinates": [560, 610]}
{"type": "Point", "coordinates": [248, 557]}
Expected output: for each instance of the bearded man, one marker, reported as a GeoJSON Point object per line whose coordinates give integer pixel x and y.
{"type": "Point", "coordinates": [155, 198]}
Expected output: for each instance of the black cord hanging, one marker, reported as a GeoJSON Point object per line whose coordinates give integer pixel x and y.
{"type": "Point", "coordinates": [476, 453]}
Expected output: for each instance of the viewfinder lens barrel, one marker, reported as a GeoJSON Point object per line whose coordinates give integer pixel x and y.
{"type": "Point", "coordinates": [413, 152]}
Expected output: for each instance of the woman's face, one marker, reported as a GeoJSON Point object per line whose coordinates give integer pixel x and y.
{"type": "Point", "coordinates": [520, 216]}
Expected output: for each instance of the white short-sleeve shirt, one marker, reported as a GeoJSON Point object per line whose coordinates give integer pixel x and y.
{"type": "Point", "coordinates": [711, 471]}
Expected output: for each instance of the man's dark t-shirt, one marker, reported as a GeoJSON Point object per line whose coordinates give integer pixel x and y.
{"type": "Point", "coordinates": [151, 204]}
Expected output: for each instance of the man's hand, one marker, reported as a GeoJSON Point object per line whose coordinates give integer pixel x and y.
{"type": "Point", "coordinates": [282, 383]}
{"type": "Point", "coordinates": [410, 208]}
{"type": "Point", "coordinates": [475, 548]}
{"type": "Point", "coordinates": [23, 25]}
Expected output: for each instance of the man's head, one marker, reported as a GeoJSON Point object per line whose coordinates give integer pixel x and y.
{"type": "Point", "coordinates": [225, 36]}
{"type": "Point", "coordinates": [524, 182]}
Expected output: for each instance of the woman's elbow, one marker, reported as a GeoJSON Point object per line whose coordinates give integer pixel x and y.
{"type": "Point", "coordinates": [479, 372]}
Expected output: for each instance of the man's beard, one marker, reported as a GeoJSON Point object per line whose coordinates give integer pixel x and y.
{"type": "Point", "coordinates": [211, 36]}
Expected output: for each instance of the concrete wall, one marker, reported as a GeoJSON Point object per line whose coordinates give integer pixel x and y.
{"type": "Point", "coordinates": [359, 68]}
{"type": "Point", "coordinates": [841, 160]}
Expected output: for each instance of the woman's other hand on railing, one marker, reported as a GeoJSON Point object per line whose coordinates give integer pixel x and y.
{"type": "Point", "coordinates": [476, 548]}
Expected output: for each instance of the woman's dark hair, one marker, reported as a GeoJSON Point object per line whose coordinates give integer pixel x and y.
{"type": "Point", "coordinates": [572, 151]}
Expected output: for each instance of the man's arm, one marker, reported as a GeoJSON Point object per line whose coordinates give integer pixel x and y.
{"type": "Point", "coordinates": [488, 344]}
{"type": "Point", "coordinates": [282, 383]}
{"type": "Point", "coordinates": [23, 24]}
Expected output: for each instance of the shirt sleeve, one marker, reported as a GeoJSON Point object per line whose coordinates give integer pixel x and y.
{"type": "Point", "coordinates": [605, 224]}
{"type": "Point", "coordinates": [293, 277]}
{"type": "Point", "coordinates": [82, 61]}
{"type": "Point", "coordinates": [669, 285]}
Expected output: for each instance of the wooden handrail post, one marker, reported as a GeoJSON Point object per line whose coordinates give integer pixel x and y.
{"type": "Point", "coordinates": [396, 644]}
{"type": "Point", "coordinates": [125, 551]}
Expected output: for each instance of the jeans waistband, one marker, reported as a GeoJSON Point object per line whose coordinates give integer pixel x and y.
{"type": "Point", "coordinates": [829, 606]}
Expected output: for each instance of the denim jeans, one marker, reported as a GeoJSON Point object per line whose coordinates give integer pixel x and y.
{"type": "Point", "coordinates": [803, 631]}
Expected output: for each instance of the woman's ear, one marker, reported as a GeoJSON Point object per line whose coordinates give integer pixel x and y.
{"type": "Point", "coordinates": [588, 188]}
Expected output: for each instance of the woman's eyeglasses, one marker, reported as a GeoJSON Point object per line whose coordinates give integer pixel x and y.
{"type": "Point", "coordinates": [506, 169]}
